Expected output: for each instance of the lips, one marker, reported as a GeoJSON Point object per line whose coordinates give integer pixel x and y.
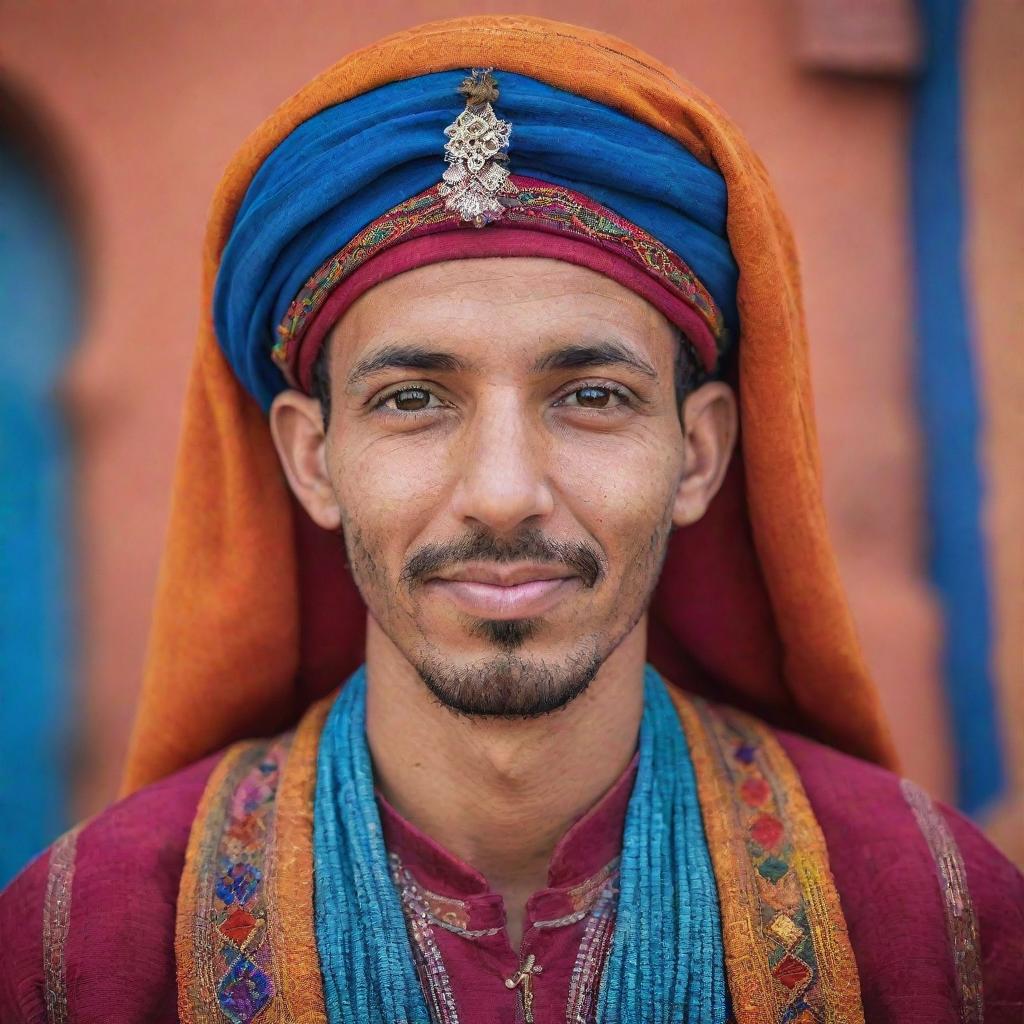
{"type": "Point", "coordinates": [504, 592]}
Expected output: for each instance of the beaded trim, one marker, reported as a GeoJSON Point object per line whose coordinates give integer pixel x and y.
{"type": "Point", "coordinates": [56, 923]}
{"type": "Point", "coordinates": [957, 905]}
{"type": "Point", "coordinates": [561, 922]}
{"type": "Point", "coordinates": [585, 982]}
{"type": "Point", "coordinates": [787, 951]}
{"type": "Point", "coordinates": [585, 896]}
{"type": "Point", "coordinates": [539, 205]}
{"type": "Point", "coordinates": [430, 966]}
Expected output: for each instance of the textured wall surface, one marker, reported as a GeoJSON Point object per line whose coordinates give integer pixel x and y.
{"type": "Point", "coordinates": [994, 261]}
{"type": "Point", "coordinates": [152, 100]}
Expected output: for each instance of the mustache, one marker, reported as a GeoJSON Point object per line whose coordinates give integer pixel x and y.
{"type": "Point", "coordinates": [528, 546]}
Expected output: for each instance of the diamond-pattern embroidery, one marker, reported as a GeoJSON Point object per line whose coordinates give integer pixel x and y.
{"type": "Point", "coordinates": [767, 830]}
{"type": "Point", "coordinates": [807, 1017]}
{"type": "Point", "coordinates": [244, 991]}
{"type": "Point", "coordinates": [772, 868]}
{"type": "Point", "coordinates": [791, 971]}
{"type": "Point", "coordinates": [794, 932]}
{"type": "Point", "coordinates": [786, 930]}
{"type": "Point", "coordinates": [239, 927]}
{"type": "Point", "coordinates": [237, 941]}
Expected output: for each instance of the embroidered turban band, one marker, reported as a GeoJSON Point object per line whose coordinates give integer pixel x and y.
{"type": "Point", "coordinates": [355, 195]}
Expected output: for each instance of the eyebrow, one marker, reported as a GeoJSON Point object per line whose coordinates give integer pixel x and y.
{"type": "Point", "coordinates": [569, 357]}
{"type": "Point", "coordinates": [605, 353]}
{"type": "Point", "coordinates": [403, 357]}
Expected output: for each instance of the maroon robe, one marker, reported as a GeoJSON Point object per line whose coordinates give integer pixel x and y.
{"type": "Point", "coordinates": [117, 918]}
{"type": "Point", "coordinates": [477, 956]}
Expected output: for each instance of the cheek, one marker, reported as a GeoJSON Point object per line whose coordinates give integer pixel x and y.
{"type": "Point", "coordinates": [388, 491]}
{"type": "Point", "coordinates": [392, 482]}
{"type": "Point", "coordinates": [621, 490]}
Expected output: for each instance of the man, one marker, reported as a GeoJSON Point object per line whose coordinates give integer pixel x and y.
{"type": "Point", "coordinates": [465, 415]}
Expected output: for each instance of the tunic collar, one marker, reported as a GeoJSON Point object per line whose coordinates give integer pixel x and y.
{"type": "Point", "coordinates": [462, 897]}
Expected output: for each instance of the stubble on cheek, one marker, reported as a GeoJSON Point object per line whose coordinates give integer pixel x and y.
{"type": "Point", "coordinates": [643, 563]}
{"type": "Point", "coordinates": [365, 564]}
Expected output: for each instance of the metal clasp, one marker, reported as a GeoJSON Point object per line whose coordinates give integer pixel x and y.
{"type": "Point", "coordinates": [523, 980]}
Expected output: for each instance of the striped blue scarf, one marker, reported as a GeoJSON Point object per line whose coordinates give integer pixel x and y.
{"type": "Point", "coordinates": [666, 963]}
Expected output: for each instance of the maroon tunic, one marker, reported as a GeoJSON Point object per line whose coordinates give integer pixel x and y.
{"type": "Point", "coordinates": [118, 937]}
{"type": "Point", "coordinates": [112, 902]}
{"type": "Point", "coordinates": [893, 899]}
{"type": "Point", "coordinates": [568, 943]}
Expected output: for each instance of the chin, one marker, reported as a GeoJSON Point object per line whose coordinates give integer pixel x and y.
{"type": "Point", "coordinates": [510, 682]}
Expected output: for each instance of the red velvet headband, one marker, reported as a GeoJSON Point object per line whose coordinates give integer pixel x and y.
{"type": "Point", "coordinates": [548, 220]}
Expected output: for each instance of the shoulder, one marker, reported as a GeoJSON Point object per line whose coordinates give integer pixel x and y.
{"type": "Point", "coordinates": [932, 907]}
{"type": "Point", "coordinates": [101, 903]}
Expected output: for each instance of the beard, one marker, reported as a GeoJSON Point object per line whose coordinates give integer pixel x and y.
{"type": "Point", "coordinates": [510, 683]}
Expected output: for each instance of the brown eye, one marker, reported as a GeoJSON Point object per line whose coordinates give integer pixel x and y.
{"type": "Point", "coordinates": [411, 399]}
{"type": "Point", "coordinates": [593, 398]}
{"type": "Point", "coordinates": [598, 397]}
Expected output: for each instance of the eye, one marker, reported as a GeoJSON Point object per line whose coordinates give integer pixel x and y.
{"type": "Point", "coordinates": [412, 399]}
{"type": "Point", "coordinates": [593, 396]}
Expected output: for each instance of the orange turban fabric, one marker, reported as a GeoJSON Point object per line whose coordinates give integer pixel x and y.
{"type": "Point", "coordinates": [256, 615]}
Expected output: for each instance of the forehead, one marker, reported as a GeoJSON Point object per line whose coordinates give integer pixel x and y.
{"type": "Point", "coordinates": [491, 309]}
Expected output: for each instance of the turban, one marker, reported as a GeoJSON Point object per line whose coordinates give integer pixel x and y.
{"type": "Point", "coordinates": [256, 614]}
{"type": "Point", "coordinates": [352, 162]}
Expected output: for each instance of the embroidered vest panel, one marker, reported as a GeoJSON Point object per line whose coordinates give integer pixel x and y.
{"type": "Point", "coordinates": [787, 952]}
{"type": "Point", "coordinates": [245, 942]}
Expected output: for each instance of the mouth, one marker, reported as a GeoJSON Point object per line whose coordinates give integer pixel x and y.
{"type": "Point", "coordinates": [504, 591]}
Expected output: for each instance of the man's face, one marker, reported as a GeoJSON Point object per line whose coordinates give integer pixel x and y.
{"type": "Point", "coordinates": [505, 457]}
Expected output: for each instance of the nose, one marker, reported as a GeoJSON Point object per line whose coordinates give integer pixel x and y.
{"type": "Point", "coordinates": [503, 484]}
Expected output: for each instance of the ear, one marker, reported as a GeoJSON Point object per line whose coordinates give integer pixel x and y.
{"type": "Point", "coordinates": [297, 426]}
{"type": "Point", "coordinates": [710, 424]}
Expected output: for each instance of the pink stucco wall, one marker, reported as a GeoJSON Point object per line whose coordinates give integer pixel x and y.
{"type": "Point", "coordinates": [994, 134]}
{"type": "Point", "coordinates": [152, 99]}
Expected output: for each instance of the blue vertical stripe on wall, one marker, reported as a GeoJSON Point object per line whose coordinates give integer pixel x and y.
{"type": "Point", "coordinates": [39, 300]}
{"type": "Point", "coordinates": [949, 406]}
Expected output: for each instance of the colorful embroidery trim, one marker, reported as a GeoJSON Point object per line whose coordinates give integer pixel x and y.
{"type": "Point", "coordinates": [539, 205]}
{"type": "Point", "coordinates": [227, 959]}
{"type": "Point", "coordinates": [245, 944]}
{"type": "Point", "coordinates": [420, 921]}
{"type": "Point", "coordinates": [788, 955]}
{"type": "Point", "coordinates": [961, 920]}
{"type": "Point", "coordinates": [56, 922]}
{"type": "Point", "coordinates": [572, 213]}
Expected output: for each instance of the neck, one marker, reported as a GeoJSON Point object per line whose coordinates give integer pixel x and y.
{"type": "Point", "coordinates": [499, 794]}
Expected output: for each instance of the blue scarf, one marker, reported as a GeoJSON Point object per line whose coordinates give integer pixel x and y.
{"type": "Point", "coordinates": [666, 963]}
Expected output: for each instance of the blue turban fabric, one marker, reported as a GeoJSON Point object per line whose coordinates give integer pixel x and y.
{"type": "Point", "coordinates": [352, 162]}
